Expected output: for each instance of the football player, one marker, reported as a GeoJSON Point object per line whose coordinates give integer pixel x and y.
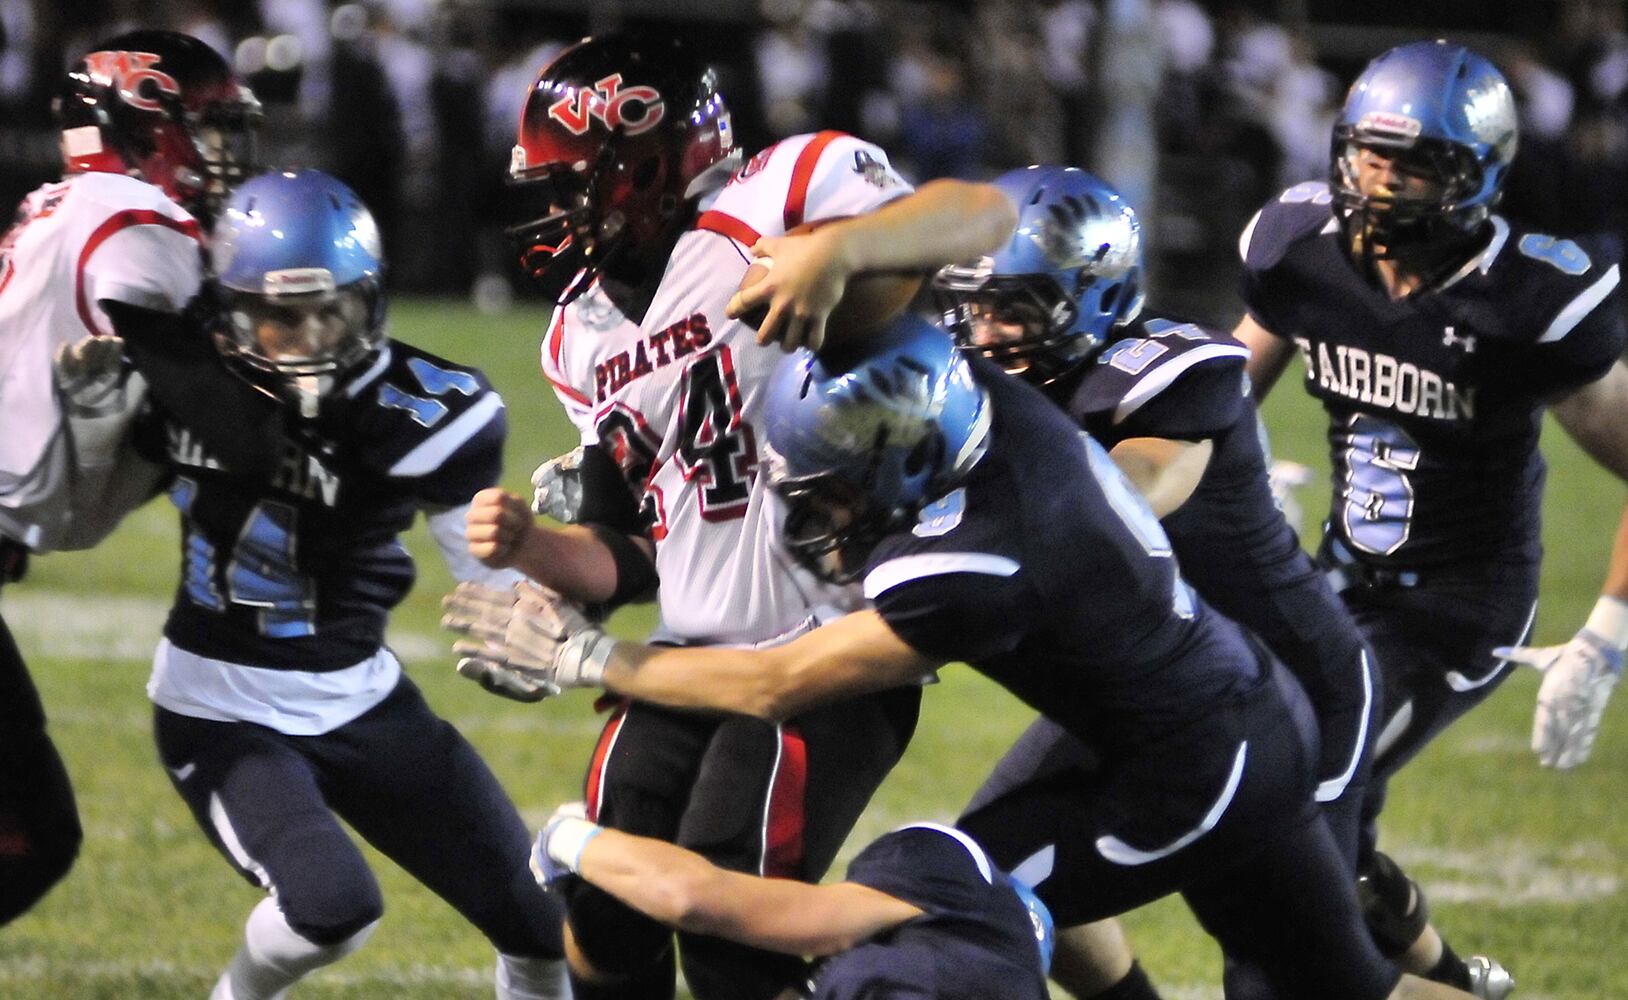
{"type": "Point", "coordinates": [923, 912]}
{"type": "Point", "coordinates": [987, 528]}
{"type": "Point", "coordinates": [1435, 333]}
{"type": "Point", "coordinates": [653, 221]}
{"type": "Point", "coordinates": [97, 266]}
{"type": "Point", "coordinates": [1060, 305]}
{"type": "Point", "coordinates": [278, 710]}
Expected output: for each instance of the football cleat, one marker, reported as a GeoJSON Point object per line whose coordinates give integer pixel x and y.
{"type": "Point", "coordinates": [1488, 979]}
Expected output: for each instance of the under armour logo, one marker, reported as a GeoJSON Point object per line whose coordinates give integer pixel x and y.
{"type": "Point", "coordinates": [1467, 341]}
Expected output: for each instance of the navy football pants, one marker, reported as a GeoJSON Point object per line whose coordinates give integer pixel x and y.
{"type": "Point", "coordinates": [746, 794]}
{"type": "Point", "coordinates": [1434, 643]}
{"type": "Point", "coordinates": [39, 825]}
{"type": "Point", "coordinates": [406, 780]}
{"type": "Point", "coordinates": [1268, 881]}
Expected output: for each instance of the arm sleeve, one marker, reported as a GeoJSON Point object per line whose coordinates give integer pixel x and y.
{"type": "Point", "coordinates": [1579, 349]}
{"type": "Point", "coordinates": [187, 377]}
{"type": "Point", "coordinates": [1200, 403]}
{"type": "Point", "coordinates": [966, 615]}
{"type": "Point", "coordinates": [462, 458]}
{"type": "Point", "coordinates": [606, 499]}
{"type": "Point", "coordinates": [447, 528]}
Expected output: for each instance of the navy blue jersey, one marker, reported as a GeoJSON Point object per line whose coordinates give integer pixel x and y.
{"type": "Point", "coordinates": [1434, 401]}
{"type": "Point", "coordinates": [1185, 382]}
{"type": "Point", "coordinates": [1046, 571]}
{"type": "Point", "coordinates": [300, 572]}
{"type": "Point", "coordinates": [974, 940]}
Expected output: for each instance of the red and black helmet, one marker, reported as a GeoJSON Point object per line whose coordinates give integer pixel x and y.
{"type": "Point", "coordinates": [162, 106]}
{"type": "Point", "coordinates": [618, 134]}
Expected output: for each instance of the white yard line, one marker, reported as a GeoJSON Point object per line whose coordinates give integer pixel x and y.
{"type": "Point", "coordinates": [90, 626]}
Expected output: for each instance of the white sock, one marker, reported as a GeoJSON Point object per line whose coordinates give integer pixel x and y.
{"type": "Point", "coordinates": [274, 956]}
{"type": "Point", "coordinates": [532, 978]}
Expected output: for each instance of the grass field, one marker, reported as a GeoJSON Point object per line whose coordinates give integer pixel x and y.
{"type": "Point", "coordinates": [1524, 864]}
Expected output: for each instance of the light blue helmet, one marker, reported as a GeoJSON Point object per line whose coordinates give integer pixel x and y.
{"type": "Point", "coordinates": [1442, 110]}
{"type": "Point", "coordinates": [857, 447]}
{"type": "Point", "coordinates": [298, 266]}
{"type": "Point", "coordinates": [1056, 292]}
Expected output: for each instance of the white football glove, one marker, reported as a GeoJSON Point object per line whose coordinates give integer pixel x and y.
{"type": "Point", "coordinates": [526, 643]}
{"type": "Point", "coordinates": [557, 852]}
{"type": "Point", "coordinates": [557, 486]}
{"type": "Point", "coordinates": [1578, 678]}
{"type": "Point", "coordinates": [1286, 477]}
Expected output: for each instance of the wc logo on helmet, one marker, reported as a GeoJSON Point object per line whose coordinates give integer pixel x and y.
{"type": "Point", "coordinates": [127, 72]}
{"type": "Point", "coordinates": [633, 110]}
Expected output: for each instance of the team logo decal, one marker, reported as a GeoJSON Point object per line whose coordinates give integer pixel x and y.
{"type": "Point", "coordinates": [942, 516]}
{"type": "Point", "coordinates": [1450, 339]}
{"type": "Point", "coordinates": [759, 160]}
{"type": "Point", "coordinates": [874, 171]}
{"type": "Point", "coordinates": [634, 110]}
{"type": "Point", "coordinates": [126, 72]}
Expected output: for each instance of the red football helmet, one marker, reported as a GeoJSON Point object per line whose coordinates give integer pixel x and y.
{"type": "Point", "coordinates": [162, 106]}
{"type": "Point", "coordinates": [617, 136]}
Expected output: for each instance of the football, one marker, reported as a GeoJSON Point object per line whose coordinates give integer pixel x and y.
{"type": "Point", "coordinates": [869, 301]}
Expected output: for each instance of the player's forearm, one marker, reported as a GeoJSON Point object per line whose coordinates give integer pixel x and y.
{"type": "Point", "coordinates": [681, 889]}
{"type": "Point", "coordinates": [1268, 355]}
{"type": "Point", "coordinates": [716, 678]}
{"type": "Point", "coordinates": [571, 560]}
{"type": "Point", "coordinates": [856, 654]}
{"type": "Point", "coordinates": [1616, 574]}
{"type": "Point", "coordinates": [1165, 472]}
{"type": "Point", "coordinates": [942, 222]}
{"type": "Point", "coordinates": [667, 883]}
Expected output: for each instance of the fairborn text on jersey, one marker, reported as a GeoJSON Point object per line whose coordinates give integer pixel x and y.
{"type": "Point", "coordinates": [1381, 380]}
{"type": "Point", "coordinates": [299, 472]}
{"type": "Point", "coordinates": [688, 334]}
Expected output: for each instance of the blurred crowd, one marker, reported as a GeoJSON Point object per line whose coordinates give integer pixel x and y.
{"type": "Point", "coordinates": [1198, 109]}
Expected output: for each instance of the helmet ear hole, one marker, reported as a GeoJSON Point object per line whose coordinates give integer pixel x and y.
{"type": "Point", "coordinates": [646, 173]}
{"type": "Point", "coordinates": [927, 454]}
{"type": "Point", "coordinates": [1110, 297]}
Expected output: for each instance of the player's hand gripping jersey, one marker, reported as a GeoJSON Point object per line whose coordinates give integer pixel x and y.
{"type": "Point", "coordinates": [677, 399]}
{"type": "Point", "coordinates": [299, 573]}
{"type": "Point", "coordinates": [74, 244]}
{"type": "Point", "coordinates": [1435, 399]}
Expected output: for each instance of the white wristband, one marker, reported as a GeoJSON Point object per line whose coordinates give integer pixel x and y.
{"type": "Point", "coordinates": [582, 658]}
{"type": "Point", "coordinates": [569, 838]}
{"type": "Point", "coordinates": [1609, 621]}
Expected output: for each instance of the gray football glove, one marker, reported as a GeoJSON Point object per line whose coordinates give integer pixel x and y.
{"type": "Point", "coordinates": [557, 486]}
{"type": "Point", "coordinates": [526, 643]}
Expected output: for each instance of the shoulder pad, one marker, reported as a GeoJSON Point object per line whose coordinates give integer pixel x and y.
{"type": "Point", "coordinates": [419, 410]}
{"type": "Point", "coordinates": [1300, 211]}
{"type": "Point", "coordinates": [1129, 374]}
{"type": "Point", "coordinates": [801, 179]}
{"type": "Point", "coordinates": [118, 192]}
{"type": "Point", "coordinates": [1557, 283]}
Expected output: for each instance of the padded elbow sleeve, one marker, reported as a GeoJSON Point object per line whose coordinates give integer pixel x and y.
{"type": "Point", "coordinates": [635, 572]}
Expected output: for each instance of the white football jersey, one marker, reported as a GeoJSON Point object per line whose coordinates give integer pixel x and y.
{"type": "Point", "coordinates": [677, 400]}
{"type": "Point", "coordinates": [75, 243]}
